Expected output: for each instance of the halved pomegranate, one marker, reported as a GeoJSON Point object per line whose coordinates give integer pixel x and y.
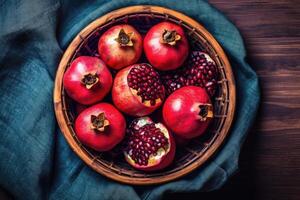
{"type": "Point", "coordinates": [149, 146]}
{"type": "Point", "coordinates": [137, 90]}
{"type": "Point", "coordinates": [120, 46]}
{"type": "Point", "coordinates": [166, 46]}
{"type": "Point", "coordinates": [100, 127]}
{"type": "Point", "coordinates": [87, 80]}
{"type": "Point", "coordinates": [188, 111]}
{"type": "Point", "coordinates": [199, 70]}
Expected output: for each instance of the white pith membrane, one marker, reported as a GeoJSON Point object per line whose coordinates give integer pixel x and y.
{"type": "Point", "coordinates": [208, 58]}
{"type": "Point", "coordinates": [161, 152]}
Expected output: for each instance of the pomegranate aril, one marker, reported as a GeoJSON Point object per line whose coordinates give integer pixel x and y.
{"type": "Point", "coordinates": [143, 142]}
{"type": "Point", "coordinates": [146, 81]}
{"type": "Point", "coordinates": [198, 71]}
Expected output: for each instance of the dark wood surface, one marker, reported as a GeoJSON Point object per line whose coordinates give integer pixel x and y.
{"type": "Point", "coordinates": [270, 159]}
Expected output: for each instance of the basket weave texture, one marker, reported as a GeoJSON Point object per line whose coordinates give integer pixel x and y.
{"type": "Point", "coordinates": [187, 158]}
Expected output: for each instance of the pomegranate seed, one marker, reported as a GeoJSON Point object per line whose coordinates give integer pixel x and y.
{"type": "Point", "coordinates": [146, 81]}
{"type": "Point", "coordinates": [142, 142]}
{"type": "Point", "coordinates": [198, 71]}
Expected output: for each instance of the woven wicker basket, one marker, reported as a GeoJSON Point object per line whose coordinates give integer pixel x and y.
{"type": "Point", "coordinates": [187, 158]}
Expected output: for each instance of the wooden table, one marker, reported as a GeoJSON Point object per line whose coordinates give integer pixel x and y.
{"type": "Point", "coordinates": [270, 159]}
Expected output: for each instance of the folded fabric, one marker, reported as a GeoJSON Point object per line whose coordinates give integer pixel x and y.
{"type": "Point", "coordinates": [36, 162]}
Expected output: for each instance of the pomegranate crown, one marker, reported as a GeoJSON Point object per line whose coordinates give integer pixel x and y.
{"type": "Point", "coordinates": [99, 123]}
{"type": "Point", "coordinates": [89, 80]}
{"type": "Point", "coordinates": [170, 37]}
{"type": "Point", "coordinates": [125, 39]}
{"type": "Point", "coordinates": [205, 112]}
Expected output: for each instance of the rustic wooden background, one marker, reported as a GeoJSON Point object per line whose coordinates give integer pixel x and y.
{"type": "Point", "coordinates": [270, 159]}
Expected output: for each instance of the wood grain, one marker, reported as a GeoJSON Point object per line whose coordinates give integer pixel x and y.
{"type": "Point", "coordinates": [270, 159]}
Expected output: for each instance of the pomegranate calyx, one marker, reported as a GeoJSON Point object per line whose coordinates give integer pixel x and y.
{"type": "Point", "coordinates": [170, 37]}
{"type": "Point", "coordinates": [205, 112]}
{"type": "Point", "coordinates": [89, 80]}
{"type": "Point", "coordinates": [125, 39]}
{"type": "Point", "coordinates": [99, 123]}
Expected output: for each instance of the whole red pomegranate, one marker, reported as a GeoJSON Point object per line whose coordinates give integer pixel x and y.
{"type": "Point", "coordinates": [166, 46]}
{"type": "Point", "coordinates": [188, 111]}
{"type": "Point", "coordinates": [137, 90]}
{"type": "Point", "coordinates": [120, 46]}
{"type": "Point", "coordinates": [100, 127]}
{"type": "Point", "coordinates": [149, 146]}
{"type": "Point", "coordinates": [87, 80]}
{"type": "Point", "coordinates": [200, 70]}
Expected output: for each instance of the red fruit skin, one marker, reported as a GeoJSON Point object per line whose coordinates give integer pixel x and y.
{"type": "Point", "coordinates": [103, 141]}
{"type": "Point", "coordinates": [157, 117]}
{"type": "Point", "coordinates": [125, 100]}
{"type": "Point", "coordinates": [115, 55]}
{"type": "Point", "coordinates": [164, 56]}
{"type": "Point", "coordinates": [73, 75]}
{"type": "Point", "coordinates": [180, 112]}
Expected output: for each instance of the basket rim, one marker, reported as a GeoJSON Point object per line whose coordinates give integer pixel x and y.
{"type": "Point", "coordinates": [66, 127]}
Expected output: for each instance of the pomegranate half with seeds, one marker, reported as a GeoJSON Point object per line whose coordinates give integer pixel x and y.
{"type": "Point", "coordinates": [187, 112]}
{"type": "Point", "coordinates": [87, 80]}
{"type": "Point", "coordinates": [148, 146]}
{"type": "Point", "coordinates": [120, 46]}
{"type": "Point", "coordinates": [166, 46]}
{"type": "Point", "coordinates": [100, 127]}
{"type": "Point", "coordinates": [137, 90]}
{"type": "Point", "coordinates": [200, 70]}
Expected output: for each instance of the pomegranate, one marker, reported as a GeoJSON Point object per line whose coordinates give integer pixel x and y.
{"type": "Point", "coordinates": [166, 46]}
{"type": "Point", "coordinates": [87, 80]}
{"type": "Point", "coordinates": [188, 111]}
{"type": "Point", "coordinates": [100, 127]}
{"type": "Point", "coordinates": [120, 46]}
{"type": "Point", "coordinates": [157, 117]}
{"type": "Point", "coordinates": [137, 90]}
{"type": "Point", "coordinates": [149, 146]}
{"type": "Point", "coordinates": [200, 70]}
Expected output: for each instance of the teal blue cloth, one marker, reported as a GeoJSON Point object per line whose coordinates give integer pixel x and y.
{"type": "Point", "coordinates": [36, 162]}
